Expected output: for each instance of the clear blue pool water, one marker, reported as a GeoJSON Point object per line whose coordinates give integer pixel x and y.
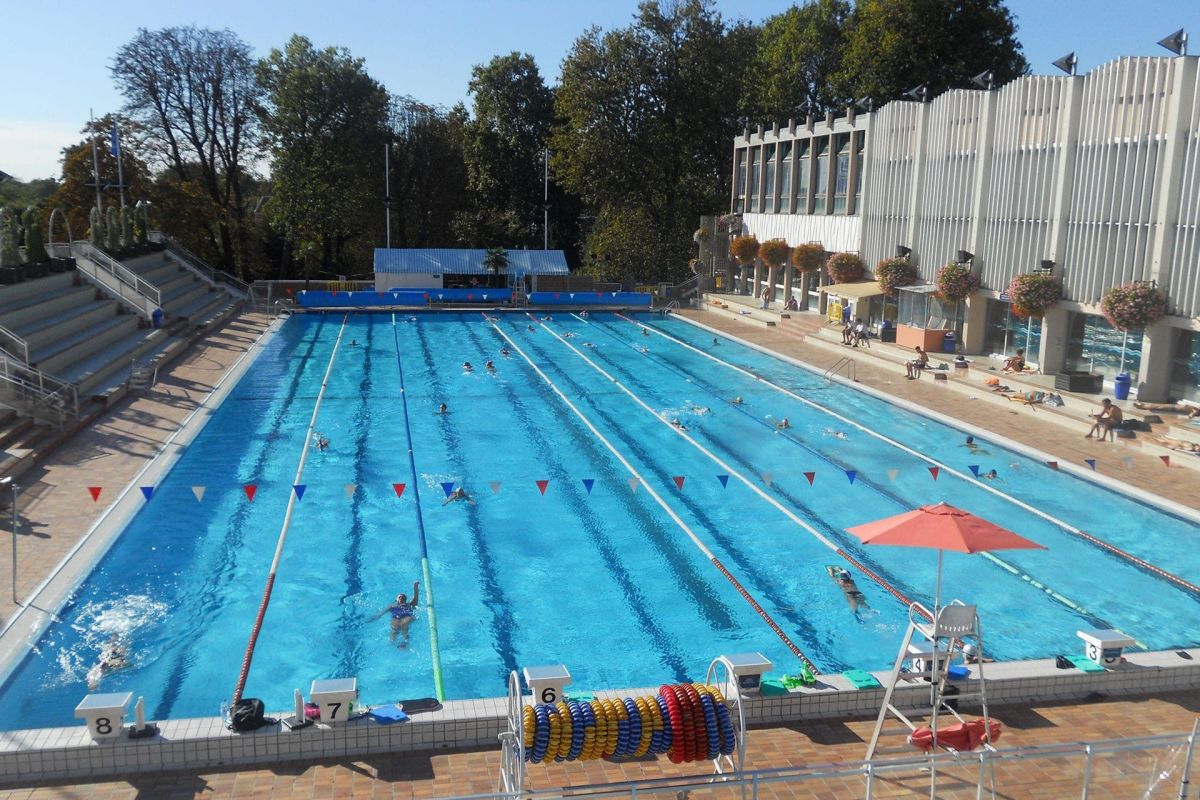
{"type": "Point", "coordinates": [604, 582]}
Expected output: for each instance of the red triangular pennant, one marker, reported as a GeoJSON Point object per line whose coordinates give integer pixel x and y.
{"type": "Point", "coordinates": [94, 491]}
{"type": "Point", "coordinates": [1052, 464]}
{"type": "Point", "coordinates": [399, 489]}
{"type": "Point", "coordinates": [811, 477]}
{"type": "Point", "coordinates": [542, 484]}
{"type": "Point", "coordinates": [250, 490]}
{"type": "Point", "coordinates": [934, 472]}
{"type": "Point", "coordinates": [1166, 460]}
{"type": "Point", "coordinates": [678, 482]}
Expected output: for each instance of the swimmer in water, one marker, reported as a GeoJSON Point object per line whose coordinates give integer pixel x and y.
{"type": "Point", "coordinates": [836, 434]}
{"type": "Point", "coordinates": [443, 409]}
{"type": "Point", "coordinates": [530, 328]}
{"type": "Point", "coordinates": [458, 494]}
{"type": "Point", "coordinates": [737, 401]}
{"type": "Point", "coordinates": [974, 448]}
{"type": "Point", "coordinates": [715, 342]}
{"type": "Point", "coordinates": [568, 335]}
{"type": "Point", "coordinates": [783, 424]}
{"type": "Point", "coordinates": [504, 352]}
{"type": "Point", "coordinates": [677, 424]}
{"type": "Point", "coordinates": [320, 441]}
{"type": "Point", "coordinates": [114, 656]}
{"type": "Point", "coordinates": [354, 342]}
{"type": "Point", "coordinates": [845, 582]}
{"type": "Point", "coordinates": [990, 475]}
{"type": "Point", "coordinates": [467, 367]}
{"type": "Point", "coordinates": [490, 367]}
{"type": "Point", "coordinates": [645, 331]}
{"type": "Point", "coordinates": [403, 611]}
{"type": "Point", "coordinates": [645, 350]}
{"type": "Point", "coordinates": [698, 409]}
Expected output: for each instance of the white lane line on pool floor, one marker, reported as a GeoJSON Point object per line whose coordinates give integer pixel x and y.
{"type": "Point", "coordinates": [287, 518]}
{"type": "Point", "coordinates": [650, 489]}
{"type": "Point", "coordinates": [1170, 577]}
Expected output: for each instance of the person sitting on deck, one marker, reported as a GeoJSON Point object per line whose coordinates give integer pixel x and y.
{"type": "Point", "coordinates": [1106, 422]}
{"type": "Point", "coordinates": [1015, 363]}
{"type": "Point", "coordinates": [914, 367]}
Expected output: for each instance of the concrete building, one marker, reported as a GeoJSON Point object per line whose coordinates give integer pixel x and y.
{"type": "Point", "coordinates": [1093, 178]}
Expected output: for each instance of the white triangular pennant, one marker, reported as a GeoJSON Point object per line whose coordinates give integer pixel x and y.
{"type": "Point", "coordinates": [766, 478]}
{"type": "Point", "coordinates": [495, 486]}
{"type": "Point", "coordinates": [892, 473]}
{"type": "Point", "coordinates": [199, 492]}
{"type": "Point", "coordinates": [633, 484]}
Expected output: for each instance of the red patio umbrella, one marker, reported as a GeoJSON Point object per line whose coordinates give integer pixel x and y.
{"type": "Point", "coordinates": [943, 527]}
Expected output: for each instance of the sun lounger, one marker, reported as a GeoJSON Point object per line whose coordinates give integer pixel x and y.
{"type": "Point", "coordinates": [1031, 399]}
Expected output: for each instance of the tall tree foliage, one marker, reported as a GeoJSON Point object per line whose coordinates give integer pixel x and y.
{"type": "Point", "coordinates": [895, 45]}
{"type": "Point", "coordinates": [504, 144]}
{"type": "Point", "coordinates": [647, 113]}
{"type": "Point", "coordinates": [193, 90]}
{"type": "Point", "coordinates": [428, 173]}
{"type": "Point", "coordinates": [325, 122]}
{"type": "Point", "coordinates": [798, 53]}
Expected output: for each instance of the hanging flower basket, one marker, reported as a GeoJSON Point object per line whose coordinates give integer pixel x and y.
{"type": "Point", "coordinates": [774, 253]}
{"type": "Point", "coordinates": [893, 273]}
{"type": "Point", "coordinates": [1133, 306]}
{"type": "Point", "coordinates": [808, 257]}
{"type": "Point", "coordinates": [1033, 294]}
{"type": "Point", "coordinates": [844, 268]}
{"type": "Point", "coordinates": [744, 249]}
{"type": "Point", "coordinates": [956, 282]}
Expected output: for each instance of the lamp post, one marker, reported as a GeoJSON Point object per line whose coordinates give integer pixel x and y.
{"type": "Point", "coordinates": [8, 481]}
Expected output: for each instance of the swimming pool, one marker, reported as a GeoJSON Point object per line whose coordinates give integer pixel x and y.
{"type": "Point", "coordinates": [587, 568]}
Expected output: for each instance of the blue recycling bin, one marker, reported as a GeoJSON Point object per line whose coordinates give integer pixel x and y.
{"type": "Point", "coordinates": [948, 342]}
{"type": "Point", "coordinates": [156, 317]}
{"type": "Point", "coordinates": [1121, 386]}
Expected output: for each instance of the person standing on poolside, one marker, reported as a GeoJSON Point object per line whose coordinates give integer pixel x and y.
{"type": "Point", "coordinates": [403, 611]}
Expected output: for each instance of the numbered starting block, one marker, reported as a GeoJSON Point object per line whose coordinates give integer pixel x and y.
{"type": "Point", "coordinates": [547, 684]}
{"type": "Point", "coordinates": [748, 669]}
{"type": "Point", "coordinates": [1104, 646]}
{"type": "Point", "coordinates": [105, 714]}
{"type": "Point", "coordinates": [335, 697]}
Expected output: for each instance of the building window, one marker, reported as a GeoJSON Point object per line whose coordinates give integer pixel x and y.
{"type": "Point", "coordinates": [1185, 366]}
{"type": "Point", "coordinates": [768, 205]}
{"type": "Point", "coordinates": [841, 182]}
{"type": "Point", "coordinates": [1095, 346]}
{"type": "Point", "coordinates": [785, 179]}
{"type": "Point", "coordinates": [1006, 332]}
{"type": "Point", "coordinates": [859, 141]}
{"type": "Point", "coordinates": [802, 168]}
{"type": "Point", "coordinates": [821, 189]}
{"type": "Point", "coordinates": [740, 184]}
{"type": "Point", "coordinates": [755, 185]}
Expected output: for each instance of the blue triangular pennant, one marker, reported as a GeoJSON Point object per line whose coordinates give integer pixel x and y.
{"type": "Point", "coordinates": [588, 483]}
{"type": "Point", "coordinates": [974, 469]}
{"type": "Point", "coordinates": [851, 474]}
{"type": "Point", "coordinates": [1091, 462]}
{"type": "Point", "coordinates": [299, 490]}
{"type": "Point", "coordinates": [724, 479]}
{"type": "Point", "coordinates": [448, 488]}
{"type": "Point", "coordinates": [148, 491]}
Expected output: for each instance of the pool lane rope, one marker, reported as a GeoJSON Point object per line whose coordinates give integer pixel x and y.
{"type": "Point", "coordinates": [435, 651]}
{"type": "Point", "coordinates": [730, 470]}
{"type": "Point", "coordinates": [685, 721]}
{"type": "Point", "coordinates": [287, 520]}
{"type": "Point", "coordinates": [658, 499]}
{"type": "Point", "coordinates": [1145, 565]}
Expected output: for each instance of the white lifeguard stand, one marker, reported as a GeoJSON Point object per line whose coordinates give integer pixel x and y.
{"type": "Point", "coordinates": [547, 684]}
{"type": "Point", "coordinates": [335, 697]}
{"type": "Point", "coordinates": [1104, 645]}
{"type": "Point", "coordinates": [105, 714]}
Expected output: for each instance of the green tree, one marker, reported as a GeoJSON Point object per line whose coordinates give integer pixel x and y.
{"type": "Point", "coordinates": [26, 193]}
{"type": "Point", "coordinates": [646, 116]}
{"type": "Point", "coordinates": [429, 179]}
{"type": "Point", "coordinates": [192, 92]}
{"type": "Point", "coordinates": [895, 45]}
{"type": "Point", "coordinates": [325, 122]}
{"type": "Point", "coordinates": [503, 146]}
{"type": "Point", "coordinates": [10, 256]}
{"type": "Point", "coordinates": [798, 53]}
{"type": "Point", "coordinates": [35, 243]}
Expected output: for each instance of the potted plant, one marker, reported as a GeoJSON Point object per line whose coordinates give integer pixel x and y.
{"type": "Point", "coordinates": [893, 273]}
{"type": "Point", "coordinates": [1032, 294]}
{"type": "Point", "coordinates": [808, 257]}
{"type": "Point", "coordinates": [1131, 307]}
{"type": "Point", "coordinates": [956, 282]}
{"type": "Point", "coordinates": [744, 249]}
{"type": "Point", "coordinates": [10, 256]}
{"type": "Point", "coordinates": [844, 268]}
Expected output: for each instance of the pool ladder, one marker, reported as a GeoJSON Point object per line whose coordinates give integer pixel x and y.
{"type": "Point", "coordinates": [844, 364]}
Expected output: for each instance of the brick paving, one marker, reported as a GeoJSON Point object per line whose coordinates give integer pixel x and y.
{"type": "Point", "coordinates": [56, 510]}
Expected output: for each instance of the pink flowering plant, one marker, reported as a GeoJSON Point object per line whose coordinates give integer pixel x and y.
{"type": "Point", "coordinates": [1133, 306]}
{"type": "Point", "coordinates": [808, 257]}
{"type": "Point", "coordinates": [1033, 294]}
{"type": "Point", "coordinates": [844, 268]}
{"type": "Point", "coordinates": [893, 273]}
{"type": "Point", "coordinates": [956, 282]}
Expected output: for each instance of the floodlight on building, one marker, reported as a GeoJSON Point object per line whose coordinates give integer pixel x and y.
{"type": "Point", "coordinates": [1047, 266]}
{"type": "Point", "coordinates": [964, 257]}
{"type": "Point", "coordinates": [985, 79]}
{"type": "Point", "coordinates": [919, 93]}
{"type": "Point", "coordinates": [866, 104]}
{"type": "Point", "coordinates": [902, 251]}
{"type": "Point", "coordinates": [1067, 63]}
{"type": "Point", "coordinates": [1176, 42]}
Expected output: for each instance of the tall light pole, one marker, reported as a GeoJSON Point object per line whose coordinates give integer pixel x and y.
{"type": "Point", "coordinates": [546, 198]}
{"type": "Point", "coordinates": [387, 190]}
{"type": "Point", "coordinates": [8, 481]}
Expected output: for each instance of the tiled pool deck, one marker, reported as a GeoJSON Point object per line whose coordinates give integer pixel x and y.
{"type": "Point", "coordinates": [57, 510]}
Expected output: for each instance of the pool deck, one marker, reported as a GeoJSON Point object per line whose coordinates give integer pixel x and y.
{"type": "Point", "coordinates": [56, 510]}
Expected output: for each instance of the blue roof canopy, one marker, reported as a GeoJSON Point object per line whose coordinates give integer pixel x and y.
{"type": "Point", "coordinates": [467, 262]}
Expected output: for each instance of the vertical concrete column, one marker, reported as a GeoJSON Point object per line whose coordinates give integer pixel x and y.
{"type": "Point", "coordinates": [918, 177]}
{"type": "Point", "coordinates": [756, 289]}
{"type": "Point", "coordinates": [975, 324]}
{"type": "Point", "coordinates": [805, 278]}
{"type": "Point", "coordinates": [1158, 348]}
{"type": "Point", "coordinates": [1064, 177]}
{"type": "Point", "coordinates": [1056, 330]}
{"type": "Point", "coordinates": [787, 280]}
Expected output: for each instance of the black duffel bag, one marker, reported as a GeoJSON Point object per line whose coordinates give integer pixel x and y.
{"type": "Point", "coordinates": [248, 715]}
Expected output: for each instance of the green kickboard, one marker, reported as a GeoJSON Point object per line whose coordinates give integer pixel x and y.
{"type": "Point", "coordinates": [581, 697]}
{"type": "Point", "coordinates": [772, 687]}
{"type": "Point", "coordinates": [1086, 664]}
{"type": "Point", "coordinates": [861, 678]}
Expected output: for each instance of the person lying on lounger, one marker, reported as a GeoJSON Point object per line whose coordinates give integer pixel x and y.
{"type": "Point", "coordinates": [1189, 407]}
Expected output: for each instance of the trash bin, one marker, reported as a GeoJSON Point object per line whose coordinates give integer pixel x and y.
{"type": "Point", "coordinates": [156, 317]}
{"type": "Point", "coordinates": [948, 342]}
{"type": "Point", "coordinates": [1121, 386]}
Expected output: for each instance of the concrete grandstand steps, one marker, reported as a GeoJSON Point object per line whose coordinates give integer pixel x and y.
{"type": "Point", "coordinates": [21, 295]}
{"type": "Point", "coordinates": [202, 306]}
{"type": "Point", "coordinates": [28, 313]}
{"type": "Point", "coordinates": [14, 430]}
{"type": "Point", "coordinates": [57, 357]}
{"type": "Point", "coordinates": [43, 333]}
{"type": "Point", "coordinates": [113, 382]}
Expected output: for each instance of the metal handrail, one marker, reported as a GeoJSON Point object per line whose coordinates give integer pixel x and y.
{"type": "Point", "coordinates": [14, 345]}
{"type": "Point", "coordinates": [197, 264]}
{"type": "Point", "coordinates": [844, 364]}
{"type": "Point", "coordinates": [41, 393]}
{"type": "Point", "coordinates": [127, 277]}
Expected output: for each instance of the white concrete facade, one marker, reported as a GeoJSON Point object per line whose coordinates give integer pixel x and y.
{"type": "Point", "coordinates": [1098, 174]}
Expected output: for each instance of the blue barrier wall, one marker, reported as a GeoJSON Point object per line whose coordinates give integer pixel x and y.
{"type": "Point", "coordinates": [401, 297]}
{"type": "Point", "coordinates": [641, 299]}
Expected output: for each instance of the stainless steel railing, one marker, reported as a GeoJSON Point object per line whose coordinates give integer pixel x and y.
{"type": "Point", "coordinates": [39, 393]}
{"type": "Point", "coordinates": [213, 276]}
{"type": "Point", "coordinates": [113, 276]}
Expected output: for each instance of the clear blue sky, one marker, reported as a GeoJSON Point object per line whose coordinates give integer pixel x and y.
{"type": "Point", "coordinates": [55, 56]}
